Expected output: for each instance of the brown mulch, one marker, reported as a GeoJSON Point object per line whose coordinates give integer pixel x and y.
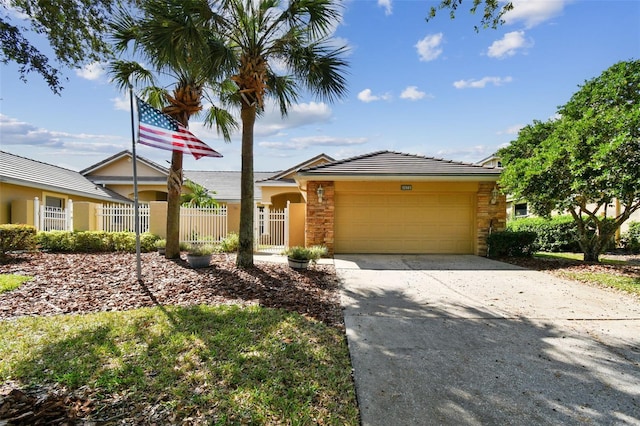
{"type": "Point", "coordinates": [85, 283]}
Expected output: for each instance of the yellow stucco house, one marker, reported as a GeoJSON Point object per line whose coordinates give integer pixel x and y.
{"type": "Point", "coordinates": [382, 202]}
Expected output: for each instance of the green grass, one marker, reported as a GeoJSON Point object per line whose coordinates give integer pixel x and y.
{"type": "Point", "coordinates": [579, 257]}
{"type": "Point", "coordinates": [228, 364]}
{"type": "Point", "coordinates": [11, 282]}
{"type": "Point", "coordinates": [620, 282]}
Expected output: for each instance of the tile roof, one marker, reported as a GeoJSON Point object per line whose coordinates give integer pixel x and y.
{"type": "Point", "coordinates": [390, 163]}
{"type": "Point", "coordinates": [35, 174]}
{"type": "Point", "coordinates": [225, 184]}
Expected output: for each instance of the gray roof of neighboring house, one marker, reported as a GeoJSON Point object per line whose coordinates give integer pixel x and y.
{"type": "Point", "coordinates": [125, 153]}
{"type": "Point", "coordinates": [225, 184]}
{"type": "Point", "coordinates": [35, 174]}
{"type": "Point", "coordinates": [389, 163]}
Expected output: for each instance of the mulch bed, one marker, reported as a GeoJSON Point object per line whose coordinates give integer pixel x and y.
{"type": "Point", "coordinates": [85, 283]}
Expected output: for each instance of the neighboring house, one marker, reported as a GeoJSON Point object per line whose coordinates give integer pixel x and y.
{"type": "Point", "coordinates": [23, 179]}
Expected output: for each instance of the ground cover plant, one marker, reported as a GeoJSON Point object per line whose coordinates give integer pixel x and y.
{"type": "Point", "coordinates": [218, 345]}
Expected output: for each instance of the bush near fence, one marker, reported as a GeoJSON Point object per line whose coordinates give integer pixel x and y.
{"type": "Point", "coordinates": [94, 241]}
{"type": "Point", "coordinates": [17, 237]}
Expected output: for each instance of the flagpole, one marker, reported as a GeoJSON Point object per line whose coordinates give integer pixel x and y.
{"type": "Point", "coordinates": [135, 188]}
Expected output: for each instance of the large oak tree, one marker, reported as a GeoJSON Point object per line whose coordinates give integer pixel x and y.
{"type": "Point", "coordinates": [585, 160]}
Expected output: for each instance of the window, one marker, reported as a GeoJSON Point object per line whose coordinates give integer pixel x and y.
{"type": "Point", "coordinates": [521, 210]}
{"type": "Point", "coordinates": [54, 202]}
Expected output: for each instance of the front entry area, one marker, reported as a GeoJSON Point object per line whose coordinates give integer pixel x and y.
{"type": "Point", "coordinates": [405, 222]}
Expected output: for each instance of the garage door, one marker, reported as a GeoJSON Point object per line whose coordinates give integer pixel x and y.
{"type": "Point", "coordinates": [404, 223]}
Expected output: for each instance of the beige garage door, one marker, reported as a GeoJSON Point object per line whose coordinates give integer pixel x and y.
{"type": "Point", "coordinates": [404, 223]}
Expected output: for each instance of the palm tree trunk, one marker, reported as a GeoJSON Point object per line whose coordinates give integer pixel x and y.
{"type": "Point", "coordinates": [174, 189]}
{"type": "Point", "coordinates": [245, 249]}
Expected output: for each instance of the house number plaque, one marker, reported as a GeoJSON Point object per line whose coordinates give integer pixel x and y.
{"type": "Point", "coordinates": [406, 187]}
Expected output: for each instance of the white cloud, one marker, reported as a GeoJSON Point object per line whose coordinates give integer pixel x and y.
{"type": "Point", "coordinates": [412, 93]}
{"type": "Point", "coordinates": [15, 132]}
{"type": "Point", "coordinates": [312, 141]}
{"type": "Point", "coordinates": [92, 71]}
{"type": "Point", "coordinates": [386, 4]}
{"type": "Point", "coordinates": [480, 84]}
{"type": "Point", "coordinates": [511, 130]}
{"type": "Point", "coordinates": [534, 12]}
{"type": "Point", "coordinates": [367, 96]}
{"type": "Point", "coordinates": [429, 47]}
{"type": "Point", "coordinates": [508, 45]}
{"type": "Point", "coordinates": [121, 104]}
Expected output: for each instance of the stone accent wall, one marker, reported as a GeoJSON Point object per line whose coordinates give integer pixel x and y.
{"type": "Point", "coordinates": [320, 215]}
{"type": "Point", "coordinates": [489, 215]}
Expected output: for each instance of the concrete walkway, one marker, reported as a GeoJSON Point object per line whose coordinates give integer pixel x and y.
{"type": "Point", "coordinates": [463, 340]}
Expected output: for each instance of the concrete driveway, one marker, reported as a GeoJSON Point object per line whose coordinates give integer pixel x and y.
{"type": "Point", "coordinates": [464, 340]}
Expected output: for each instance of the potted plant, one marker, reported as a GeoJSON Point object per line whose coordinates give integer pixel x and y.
{"type": "Point", "coordinates": [161, 246]}
{"type": "Point", "coordinates": [299, 257]}
{"type": "Point", "coordinates": [199, 255]}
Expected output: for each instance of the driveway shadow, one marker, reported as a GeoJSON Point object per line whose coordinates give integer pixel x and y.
{"type": "Point", "coordinates": [421, 262]}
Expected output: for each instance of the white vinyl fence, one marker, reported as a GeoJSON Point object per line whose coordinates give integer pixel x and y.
{"type": "Point", "coordinates": [271, 230]}
{"type": "Point", "coordinates": [203, 224]}
{"type": "Point", "coordinates": [121, 217]}
{"type": "Point", "coordinates": [49, 218]}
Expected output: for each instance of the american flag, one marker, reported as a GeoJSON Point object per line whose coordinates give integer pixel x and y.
{"type": "Point", "coordinates": [161, 131]}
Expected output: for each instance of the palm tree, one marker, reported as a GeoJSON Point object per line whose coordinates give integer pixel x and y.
{"type": "Point", "coordinates": [164, 37]}
{"type": "Point", "coordinates": [198, 195]}
{"type": "Point", "coordinates": [258, 35]}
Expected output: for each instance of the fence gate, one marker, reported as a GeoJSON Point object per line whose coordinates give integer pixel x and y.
{"type": "Point", "coordinates": [203, 224]}
{"type": "Point", "coordinates": [122, 217]}
{"type": "Point", "coordinates": [271, 230]}
{"type": "Point", "coordinates": [49, 218]}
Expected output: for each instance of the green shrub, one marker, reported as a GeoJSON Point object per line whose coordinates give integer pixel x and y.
{"type": "Point", "coordinates": [630, 240]}
{"type": "Point", "coordinates": [94, 241]}
{"type": "Point", "coordinates": [230, 244]}
{"type": "Point", "coordinates": [511, 244]}
{"type": "Point", "coordinates": [17, 237]}
{"type": "Point", "coordinates": [56, 241]}
{"type": "Point", "coordinates": [558, 233]}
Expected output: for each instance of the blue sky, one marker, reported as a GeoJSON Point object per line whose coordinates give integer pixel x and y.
{"type": "Point", "coordinates": [437, 89]}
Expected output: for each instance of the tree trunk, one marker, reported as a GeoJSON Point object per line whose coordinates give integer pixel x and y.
{"type": "Point", "coordinates": [245, 249]}
{"type": "Point", "coordinates": [174, 188]}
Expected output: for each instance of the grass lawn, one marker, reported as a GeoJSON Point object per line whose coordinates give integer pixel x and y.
{"type": "Point", "coordinates": [212, 364]}
{"type": "Point", "coordinates": [10, 282]}
{"type": "Point", "coordinates": [611, 272]}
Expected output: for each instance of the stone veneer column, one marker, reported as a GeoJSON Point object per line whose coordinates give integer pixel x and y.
{"type": "Point", "coordinates": [320, 215]}
{"type": "Point", "coordinates": [489, 215]}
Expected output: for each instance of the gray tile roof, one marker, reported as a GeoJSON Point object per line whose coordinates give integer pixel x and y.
{"type": "Point", "coordinates": [125, 153]}
{"type": "Point", "coordinates": [389, 163]}
{"type": "Point", "coordinates": [35, 174]}
{"type": "Point", "coordinates": [225, 184]}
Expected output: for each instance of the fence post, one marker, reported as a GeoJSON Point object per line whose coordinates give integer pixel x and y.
{"type": "Point", "coordinates": [69, 216]}
{"type": "Point", "coordinates": [36, 214]}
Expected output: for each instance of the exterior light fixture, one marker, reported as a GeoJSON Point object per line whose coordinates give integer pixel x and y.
{"type": "Point", "coordinates": [320, 193]}
{"type": "Point", "coordinates": [494, 195]}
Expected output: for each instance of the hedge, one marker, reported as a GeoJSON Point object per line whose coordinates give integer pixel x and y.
{"type": "Point", "coordinates": [94, 241]}
{"type": "Point", "coordinates": [556, 234]}
{"type": "Point", "coordinates": [17, 237]}
{"type": "Point", "coordinates": [511, 244]}
{"type": "Point", "coordinates": [630, 240]}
